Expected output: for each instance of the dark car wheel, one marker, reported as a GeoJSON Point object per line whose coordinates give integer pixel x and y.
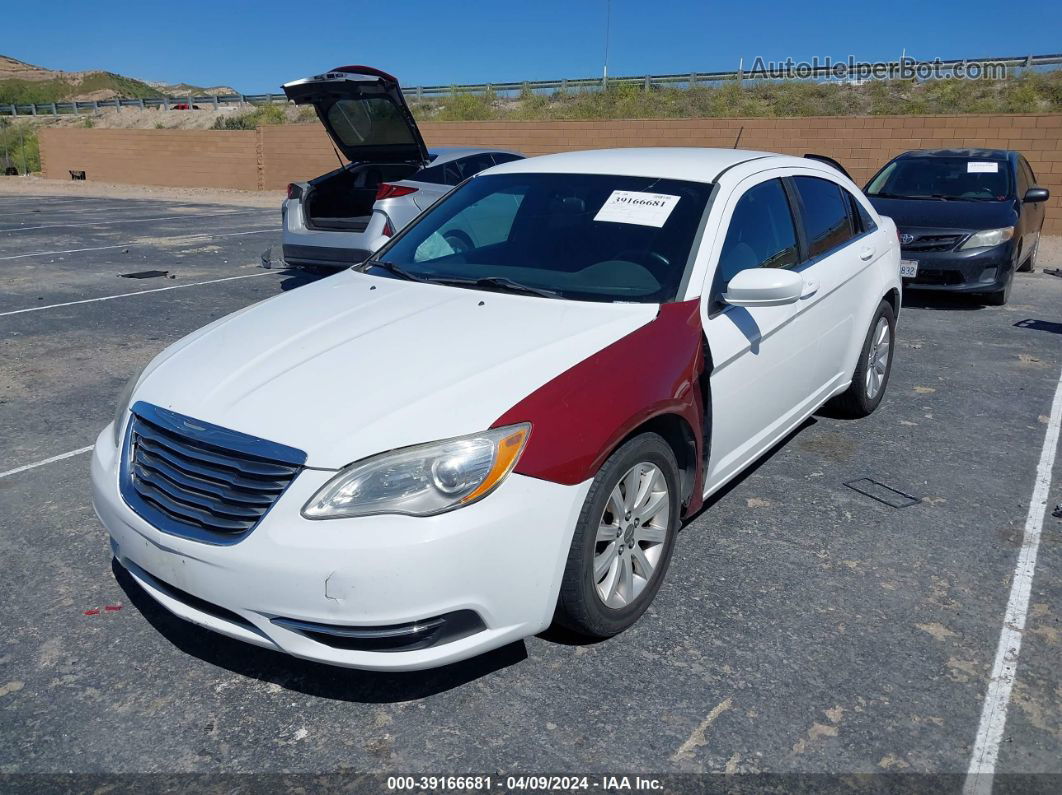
{"type": "Point", "coordinates": [871, 374]}
{"type": "Point", "coordinates": [458, 241]}
{"type": "Point", "coordinates": [623, 540]}
{"type": "Point", "coordinates": [1030, 262]}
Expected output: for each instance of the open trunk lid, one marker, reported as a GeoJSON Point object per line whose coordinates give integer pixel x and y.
{"type": "Point", "coordinates": [364, 112]}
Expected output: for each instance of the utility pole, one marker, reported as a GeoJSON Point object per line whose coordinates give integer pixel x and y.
{"type": "Point", "coordinates": [608, 25]}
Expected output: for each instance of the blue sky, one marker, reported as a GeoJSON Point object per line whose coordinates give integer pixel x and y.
{"type": "Point", "coordinates": [256, 46]}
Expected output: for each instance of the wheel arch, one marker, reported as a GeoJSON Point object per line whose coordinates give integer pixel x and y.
{"type": "Point", "coordinates": [676, 431]}
{"type": "Point", "coordinates": [892, 297]}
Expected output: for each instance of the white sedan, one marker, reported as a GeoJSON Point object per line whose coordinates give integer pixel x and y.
{"type": "Point", "coordinates": [443, 450]}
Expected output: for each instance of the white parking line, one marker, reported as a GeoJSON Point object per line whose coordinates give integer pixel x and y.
{"type": "Point", "coordinates": [125, 221]}
{"type": "Point", "coordinates": [128, 245]}
{"type": "Point", "coordinates": [135, 292]}
{"type": "Point", "coordinates": [994, 713]}
{"type": "Point", "coordinates": [81, 211]}
{"type": "Point", "coordinates": [51, 460]}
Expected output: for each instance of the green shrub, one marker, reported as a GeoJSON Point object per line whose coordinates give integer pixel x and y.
{"type": "Point", "coordinates": [1027, 93]}
{"type": "Point", "coordinates": [18, 146]}
{"type": "Point", "coordinates": [259, 117]}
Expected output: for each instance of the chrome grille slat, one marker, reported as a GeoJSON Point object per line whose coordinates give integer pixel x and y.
{"type": "Point", "coordinates": [933, 242]}
{"type": "Point", "coordinates": [200, 485]}
{"type": "Point", "coordinates": [206, 473]}
{"type": "Point", "coordinates": [191, 498]}
{"type": "Point", "coordinates": [245, 465]}
{"type": "Point", "coordinates": [201, 481]}
{"type": "Point", "coordinates": [187, 512]}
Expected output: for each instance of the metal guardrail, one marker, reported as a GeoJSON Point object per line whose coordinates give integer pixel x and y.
{"type": "Point", "coordinates": [687, 80]}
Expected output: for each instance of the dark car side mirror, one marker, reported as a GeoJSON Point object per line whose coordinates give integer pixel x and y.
{"type": "Point", "coordinates": [1035, 194]}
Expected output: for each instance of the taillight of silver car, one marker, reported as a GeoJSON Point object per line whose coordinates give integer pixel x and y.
{"type": "Point", "coordinates": [389, 191]}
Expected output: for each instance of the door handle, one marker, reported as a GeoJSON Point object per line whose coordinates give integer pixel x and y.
{"type": "Point", "coordinates": [811, 286]}
{"type": "Point", "coordinates": [866, 254]}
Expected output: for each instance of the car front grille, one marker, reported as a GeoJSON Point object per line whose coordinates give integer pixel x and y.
{"type": "Point", "coordinates": [201, 481]}
{"type": "Point", "coordinates": [932, 243]}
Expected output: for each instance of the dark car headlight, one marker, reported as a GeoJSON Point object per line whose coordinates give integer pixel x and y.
{"type": "Point", "coordinates": [987, 238]}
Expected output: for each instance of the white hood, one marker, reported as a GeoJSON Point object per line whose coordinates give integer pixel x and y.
{"type": "Point", "coordinates": [355, 365]}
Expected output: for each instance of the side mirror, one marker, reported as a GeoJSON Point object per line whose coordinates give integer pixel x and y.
{"type": "Point", "coordinates": [764, 287]}
{"type": "Point", "coordinates": [1035, 194]}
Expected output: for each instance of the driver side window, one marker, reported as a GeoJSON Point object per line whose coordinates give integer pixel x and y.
{"type": "Point", "coordinates": [761, 233]}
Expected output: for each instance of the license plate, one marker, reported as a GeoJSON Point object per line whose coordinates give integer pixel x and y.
{"type": "Point", "coordinates": [908, 268]}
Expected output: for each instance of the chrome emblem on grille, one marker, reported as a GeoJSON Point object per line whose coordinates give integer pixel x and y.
{"type": "Point", "coordinates": [906, 238]}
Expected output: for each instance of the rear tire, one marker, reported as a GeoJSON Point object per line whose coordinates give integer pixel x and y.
{"type": "Point", "coordinates": [871, 375]}
{"type": "Point", "coordinates": [623, 540]}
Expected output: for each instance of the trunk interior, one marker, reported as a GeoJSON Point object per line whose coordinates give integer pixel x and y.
{"type": "Point", "coordinates": [344, 199]}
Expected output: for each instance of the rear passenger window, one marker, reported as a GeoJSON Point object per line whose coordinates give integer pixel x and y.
{"type": "Point", "coordinates": [761, 233]}
{"type": "Point", "coordinates": [827, 222]}
{"type": "Point", "coordinates": [864, 222]}
{"type": "Point", "coordinates": [470, 166]}
{"type": "Point", "coordinates": [433, 175]}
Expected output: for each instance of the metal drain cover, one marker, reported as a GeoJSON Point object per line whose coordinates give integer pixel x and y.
{"type": "Point", "coordinates": [883, 493]}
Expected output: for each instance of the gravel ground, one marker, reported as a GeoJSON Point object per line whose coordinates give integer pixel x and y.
{"type": "Point", "coordinates": [32, 186]}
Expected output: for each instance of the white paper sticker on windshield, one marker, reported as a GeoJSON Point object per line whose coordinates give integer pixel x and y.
{"type": "Point", "coordinates": [635, 207]}
{"type": "Point", "coordinates": [982, 168]}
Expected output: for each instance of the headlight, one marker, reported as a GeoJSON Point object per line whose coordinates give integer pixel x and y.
{"type": "Point", "coordinates": [422, 480]}
{"type": "Point", "coordinates": [122, 411]}
{"type": "Point", "coordinates": [988, 237]}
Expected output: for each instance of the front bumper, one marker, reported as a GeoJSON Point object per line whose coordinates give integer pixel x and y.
{"type": "Point", "coordinates": [501, 558]}
{"type": "Point", "coordinates": [984, 270]}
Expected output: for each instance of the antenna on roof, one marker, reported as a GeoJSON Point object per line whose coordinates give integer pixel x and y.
{"type": "Point", "coordinates": [738, 139]}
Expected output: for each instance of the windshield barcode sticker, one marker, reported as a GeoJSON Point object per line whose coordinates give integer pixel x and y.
{"type": "Point", "coordinates": [982, 168]}
{"type": "Point", "coordinates": [635, 207]}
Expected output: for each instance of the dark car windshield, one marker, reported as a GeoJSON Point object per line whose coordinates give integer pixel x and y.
{"type": "Point", "coordinates": [958, 178]}
{"type": "Point", "coordinates": [587, 237]}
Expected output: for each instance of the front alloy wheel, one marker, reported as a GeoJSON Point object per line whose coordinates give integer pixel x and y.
{"type": "Point", "coordinates": [631, 535]}
{"type": "Point", "coordinates": [623, 540]}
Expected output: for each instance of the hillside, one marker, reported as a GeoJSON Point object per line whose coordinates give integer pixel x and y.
{"type": "Point", "coordinates": [23, 83]}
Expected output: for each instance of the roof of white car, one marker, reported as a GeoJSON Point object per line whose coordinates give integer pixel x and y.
{"type": "Point", "coordinates": [675, 162]}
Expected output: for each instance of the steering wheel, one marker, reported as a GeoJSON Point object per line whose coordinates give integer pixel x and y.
{"type": "Point", "coordinates": [653, 260]}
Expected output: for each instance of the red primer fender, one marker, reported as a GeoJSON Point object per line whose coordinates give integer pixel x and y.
{"type": "Point", "coordinates": [580, 416]}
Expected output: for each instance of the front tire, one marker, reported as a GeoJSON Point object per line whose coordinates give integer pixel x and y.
{"type": "Point", "coordinates": [874, 368]}
{"type": "Point", "coordinates": [623, 540]}
{"type": "Point", "coordinates": [1030, 262]}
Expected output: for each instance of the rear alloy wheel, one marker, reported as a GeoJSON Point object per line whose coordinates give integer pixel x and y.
{"type": "Point", "coordinates": [623, 541]}
{"type": "Point", "coordinates": [871, 374]}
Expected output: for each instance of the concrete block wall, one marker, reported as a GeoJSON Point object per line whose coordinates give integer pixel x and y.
{"type": "Point", "coordinates": [180, 158]}
{"type": "Point", "coordinates": [270, 157]}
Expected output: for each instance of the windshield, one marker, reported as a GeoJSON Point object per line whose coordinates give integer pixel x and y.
{"type": "Point", "coordinates": [580, 236]}
{"type": "Point", "coordinates": [958, 178]}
